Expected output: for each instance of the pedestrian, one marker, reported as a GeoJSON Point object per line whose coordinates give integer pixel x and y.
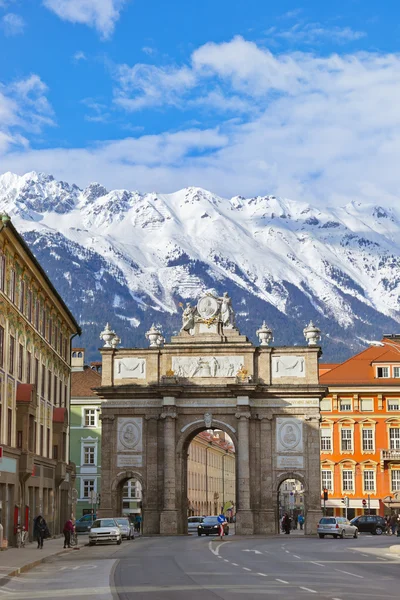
{"type": "Point", "coordinates": [138, 523]}
{"type": "Point", "coordinates": [295, 520]}
{"type": "Point", "coordinates": [40, 530]}
{"type": "Point", "coordinates": [221, 523]}
{"type": "Point", "coordinates": [67, 531]}
{"type": "Point", "coordinates": [301, 521]}
{"type": "Point", "coordinates": [286, 522]}
{"type": "Point", "coordinates": [393, 523]}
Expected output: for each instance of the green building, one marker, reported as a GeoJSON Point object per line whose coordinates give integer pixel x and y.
{"type": "Point", "coordinates": [85, 432]}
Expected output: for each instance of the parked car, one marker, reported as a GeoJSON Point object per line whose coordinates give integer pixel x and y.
{"type": "Point", "coordinates": [337, 527]}
{"type": "Point", "coordinates": [193, 523]}
{"type": "Point", "coordinates": [210, 526]}
{"type": "Point", "coordinates": [370, 524]}
{"type": "Point", "coordinates": [83, 524]}
{"type": "Point", "coordinates": [127, 528]}
{"type": "Point", "coordinates": [104, 530]}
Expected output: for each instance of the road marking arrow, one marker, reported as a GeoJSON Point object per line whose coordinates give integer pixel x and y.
{"type": "Point", "coordinates": [255, 551]}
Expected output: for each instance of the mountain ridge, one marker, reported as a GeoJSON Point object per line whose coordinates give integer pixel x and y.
{"type": "Point", "coordinates": [137, 255]}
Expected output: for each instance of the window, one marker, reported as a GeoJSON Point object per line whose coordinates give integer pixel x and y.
{"type": "Point", "coordinates": [326, 404]}
{"type": "Point", "coordinates": [368, 438]}
{"type": "Point", "coordinates": [44, 317]}
{"type": "Point", "coordinates": [22, 295]}
{"type": "Point", "coordinates": [2, 271]}
{"type": "Point", "coordinates": [366, 404]}
{"type": "Point", "coordinates": [20, 361]}
{"type": "Point", "coordinates": [88, 486]}
{"type": "Point", "coordinates": [43, 380]}
{"type": "Point", "coordinates": [327, 479]}
{"type": "Point", "coordinates": [50, 330]}
{"type": "Point", "coordinates": [29, 306]}
{"type": "Point", "coordinates": [326, 439]}
{"type": "Point", "coordinates": [88, 455]}
{"type": "Point", "coordinates": [1, 346]}
{"type": "Point", "coordinates": [28, 366]}
{"type": "Point", "coordinates": [55, 389]}
{"type": "Point", "coordinates": [11, 357]}
{"type": "Point", "coordinates": [369, 480]}
{"type": "Point", "coordinates": [345, 405]}
{"type": "Point", "coordinates": [36, 374]}
{"type": "Point", "coordinates": [395, 480]}
{"type": "Point", "coordinates": [41, 439]}
{"type": "Point", "coordinates": [393, 404]}
{"type": "Point", "coordinates": [382, 371]}
{"type": "Point", "coordinates": [89, 417]}
{"type": "Point", "coordinates": [394, 438]}
{"type": "Point", "coordinates": [347, 481]}
{"type": "Point", "coordinates": [396, 372]}
{"type": "Point", "coordinates": [12, 285]}
{"type": "Point", "coordinates": [347, 439]}
{"type": "Point", "coordinates": [9, 427]}
{"type": "Point", "coordinates": [37, 314]}
{"type": "Point", "coordinates": [49, 382]}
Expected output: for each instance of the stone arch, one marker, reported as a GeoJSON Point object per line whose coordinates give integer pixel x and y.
{"type": "Point", "coordinates": [118, 484]}
{"type": "Point", "coordinates": [277, 485]}
{"type": "Point", "coordinates": [185, 437]}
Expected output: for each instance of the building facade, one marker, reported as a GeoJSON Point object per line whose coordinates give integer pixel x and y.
{"type": "Point", "coordinates": [360, 431]}
{"type": "Point", "coordinates": [211, 474]}
{"type": "Point", "coordinates": [157, 399]}
{"type": "Point", "coordinates": [35, 332]}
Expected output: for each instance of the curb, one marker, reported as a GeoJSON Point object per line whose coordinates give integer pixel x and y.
{"type": "Point", "coordinates": [395, 549]}
{"type": "Point", "coordinates": [27, 567]}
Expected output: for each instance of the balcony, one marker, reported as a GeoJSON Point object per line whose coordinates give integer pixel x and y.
{"type": "Point", "coordinates": [390, 456]}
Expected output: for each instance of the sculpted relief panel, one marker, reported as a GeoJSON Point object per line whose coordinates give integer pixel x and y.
{"type": "Point", "coordinates": [130, 434]}
{"type": "Point", "coordinates": [289, 435]}
{"type": "Point", "coordinates": [130, 367]}
{"type": "Point", "coordinates": [288, 366]}
{"type": "Point", "coordinates": [206, 366]}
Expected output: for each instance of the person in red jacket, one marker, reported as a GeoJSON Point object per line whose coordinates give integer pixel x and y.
{"type": "Point", "coordinates": [68, 529]}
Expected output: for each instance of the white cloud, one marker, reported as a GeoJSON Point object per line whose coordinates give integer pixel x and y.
{"type": "Point", "coordinates": [100, 14]}
{"type": "Point", "coordinates": [23, 108]}
{"type": "Point", "coordinates": [320, 128]}
{"type": "Point", "coordinates": [79, 55]}
{"type": "Point", "coordinates": [312, 33]}
{"type": "Point", "coordinates": [12, 24]}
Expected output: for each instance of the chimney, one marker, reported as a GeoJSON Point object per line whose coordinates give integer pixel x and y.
{"type": "Point", "coordinates": [77, 359]}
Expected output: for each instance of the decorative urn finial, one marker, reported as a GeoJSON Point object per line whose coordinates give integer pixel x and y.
{"type": "Point", "coordinates": [155, 337]}
{"type": "Point", "coordinates": [115, 341]}
{"type": "Point", "coordinates": [107, 335]}
{"type": "Point", "coordinates": [312, 334]}
{"type": "Point", "coordinates": [265, 334]}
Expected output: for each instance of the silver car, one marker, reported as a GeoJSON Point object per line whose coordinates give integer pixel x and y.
{"type": "Point", "coordinates": [126, 527]}
{"type": "Point", "coordinates": [336, 527]}
{"type": "Point", "coordinates": [193, 523]}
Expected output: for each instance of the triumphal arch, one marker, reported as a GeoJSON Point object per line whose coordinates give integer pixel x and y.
{"type": "Point", "coordinates": [209, 376]}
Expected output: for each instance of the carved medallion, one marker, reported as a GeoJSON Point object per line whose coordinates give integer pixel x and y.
{"type": "Point", "coordinates": [129, 435]}
{"type": "Point", "coordinates": [289, 435]}
{"type": "Point", "coordinates": [207, 307]}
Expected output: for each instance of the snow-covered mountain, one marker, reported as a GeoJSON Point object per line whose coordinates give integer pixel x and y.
{"type": "Point", "coordinates": [130, 258]}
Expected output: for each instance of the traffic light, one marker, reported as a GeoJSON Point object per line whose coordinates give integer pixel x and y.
{"type": "Point", "coordinates": [325, 494]}
{"type": "Point", "coordinates": [345, 501]}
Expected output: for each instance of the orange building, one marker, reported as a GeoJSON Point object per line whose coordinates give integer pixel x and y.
{"type": "Point", "coordinates": [360, 431]}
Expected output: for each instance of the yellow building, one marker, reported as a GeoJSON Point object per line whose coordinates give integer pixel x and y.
{"type": "Point", "coordinates": [36, 329]}
{"type": "Point", "coordinates": [211, 474]}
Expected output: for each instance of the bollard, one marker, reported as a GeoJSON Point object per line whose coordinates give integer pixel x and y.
{"type": "Point", "coordinates": [1, 536]}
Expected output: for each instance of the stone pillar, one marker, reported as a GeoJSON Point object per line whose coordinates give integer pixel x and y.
{"type": "Point", "coordinates": [244, 515]}
{"type": "Point", "coordinates": [107, 453]}
{"type": "Point", "coordinates": [267, 517]}
{"type": "Point", "coordinates": [169, 514]}
{"type": "Point", "coordinates": [150, 510]}
{"type": "Point", "coordinates": [314, 511]}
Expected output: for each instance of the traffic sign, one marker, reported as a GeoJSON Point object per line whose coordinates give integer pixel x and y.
{"type": "Point", "coordinates": [364, 502]}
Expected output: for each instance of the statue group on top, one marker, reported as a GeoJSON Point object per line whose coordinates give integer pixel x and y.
{"type": "Point", "coordinates": [210, 310]}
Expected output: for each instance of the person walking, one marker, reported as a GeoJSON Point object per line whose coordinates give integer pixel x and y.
{"type": "Point", "coordinates": [138, 523]}
{"type": "Point", "coordinates": [301, 521]}
{"type": "Point", "coordinates": [221, 523]}
{"type": "Point", "coordinates": [39, 530]}
{"type": "Point", "coordinates": [286, 523]}
{"type": "Point", "coordinates": [67, 531]}
{"type": "Point", "coordinates": [393, 523]}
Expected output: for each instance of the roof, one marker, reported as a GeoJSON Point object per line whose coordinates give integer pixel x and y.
{"type": "Point", "coordinates": [216, 441]}
{"type": "Point", "coordinates": [8, 225]}
{"type": "Point", "coordinates": [82, 383]}
{"type": "Point", "coordinates": [360, 370]}
{"type": "Point", "coordinates": [77, 349]}
{"type": "Point", "coordinates": [325, 367]}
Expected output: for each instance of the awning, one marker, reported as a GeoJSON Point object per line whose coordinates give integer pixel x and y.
{"type": "Point", "coordinates": [353, 503]}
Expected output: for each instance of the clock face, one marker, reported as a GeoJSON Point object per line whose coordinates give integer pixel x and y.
{"type": "Point", "coordinates": [207, 307]}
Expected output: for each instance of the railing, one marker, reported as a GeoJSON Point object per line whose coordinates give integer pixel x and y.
{"type": "Point", "coordinates": [390, 454]}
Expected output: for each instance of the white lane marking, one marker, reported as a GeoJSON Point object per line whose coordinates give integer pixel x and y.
{"type": "Point", "coordinates": [216, 550]}
{"type": "Point", "coordinates": [308, 590]}
{"type": "Point", "coordinates": [226, 560]}
{"type": "Point", "coordinates": [295, 555]}
{"type": "Point", "coordinates": [364, 555]}
{"type": "Point", "coordinates": [255, 551]}
{"type": "Point", "coordinates": [235, 564]}
{"type": "Point", "coordinates": [316, 563]}
{"type": "Point", "coordinates": [262, 574]}
{"type": "Point", "coordinates": [246, 569]}
{"type": "Point", "coordinates": [219, 556]}
{"type": "Point", "coordinates": [347, 573]}
{"type": "Point", "coordinates": [336, 599]}
{"type": "Point", "coordinates": [281, 580]}
{"type": "Point", "coordinates": [287, 551]}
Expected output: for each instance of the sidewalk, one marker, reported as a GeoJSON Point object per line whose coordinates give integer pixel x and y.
{"type": "Point", "coordinates": [18, 560]}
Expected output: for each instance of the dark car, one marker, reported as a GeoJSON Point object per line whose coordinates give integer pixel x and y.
{"type": "Point", "coordinates": [83, 524]}
{"type": "Point", "coordinates": [370, 524]}
{"type": "Point", "coordinates": [210, 526]}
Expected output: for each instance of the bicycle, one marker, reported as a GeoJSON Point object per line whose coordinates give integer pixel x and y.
{"type": "Point", "coordinates": [22, 537]}
{"type": "Point", "coordinates": [73, 540]}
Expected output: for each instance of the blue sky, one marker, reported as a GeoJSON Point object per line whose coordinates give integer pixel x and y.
{"type": "Point", "coordinates": [240, 97]}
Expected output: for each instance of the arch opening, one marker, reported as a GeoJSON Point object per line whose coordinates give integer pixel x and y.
{"type": "Point", "coordinates": [292, 505]}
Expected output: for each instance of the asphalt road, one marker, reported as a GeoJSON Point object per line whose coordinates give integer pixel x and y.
{"type": "Point", "coordinates": [194, 568]}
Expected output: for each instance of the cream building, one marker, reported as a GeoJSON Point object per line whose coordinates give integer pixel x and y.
{"type": "Point", "coordinates": [36, 328]}
{"type": "Point", "coordinates": [211, 474]}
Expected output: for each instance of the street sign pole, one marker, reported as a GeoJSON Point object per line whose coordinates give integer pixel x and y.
{"type": "Point", "coordinates": [369, 504]}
